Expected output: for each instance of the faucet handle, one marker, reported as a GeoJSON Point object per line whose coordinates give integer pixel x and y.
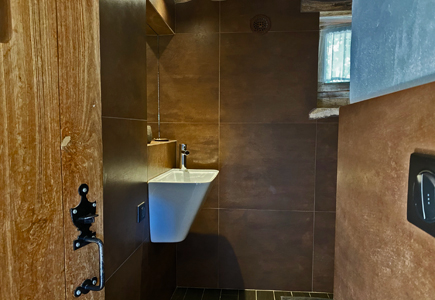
{"type": "Point", "coordinates": [183, 149]}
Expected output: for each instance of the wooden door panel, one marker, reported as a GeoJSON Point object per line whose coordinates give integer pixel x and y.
{"type": "Point", "coordinates": [80, 107]}
{"type": "Point", "coordinates": [31, 219]}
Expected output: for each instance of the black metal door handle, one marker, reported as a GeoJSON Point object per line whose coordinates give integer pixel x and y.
{"type": "Point", "coordinates": [83, 216]}
{"type": "Point", "coordinates": [91, 284]}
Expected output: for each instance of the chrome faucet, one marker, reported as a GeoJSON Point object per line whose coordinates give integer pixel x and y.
{"type": "Point", "coordinates": [183, 155]}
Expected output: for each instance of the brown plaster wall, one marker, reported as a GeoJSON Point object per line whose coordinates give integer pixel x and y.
{"type": "Point", "coordinates": [379, 254]}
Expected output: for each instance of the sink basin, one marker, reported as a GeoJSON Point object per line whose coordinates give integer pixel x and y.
{"type": "Point", "coordinates": [174, 201]}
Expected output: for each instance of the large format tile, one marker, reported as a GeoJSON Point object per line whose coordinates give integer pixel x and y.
{"type": "Point", "coordinates": [324, 246]}
{"type": "Point", "coordinates": [158, 271]}
{"type": "Point", "coordinates": [127, 281]}
{"type": "Point", "coordinates": [212, 294]}
{"type": "Point", "coordinates": [265, 295]}
{"type": "Point", "coordinates": [229, 294]}
{"type": "Point", "coordinates": [268, 78]}
{"type": "Point", "coordinates": [284, 14]}
{"type": "Point", "coordinates": [197, 256]}
{"type": "Point", "coordinates": [247, 295]}
{"type": "Point", "coordinates": [152, 84]}
{"type": "Point", "coordinates": [326, 166]}
{"type": "Point", "coordinates": [194, 294]}
{"type": "Point", "coordinates": [265, 249]}
{"type": "Point", "coordinates": [267, 166]}
{"type": "Point", "coordinates": [125, 174]}
{"type": "Point", "coordinates": [123, 59]}
{"type": "Point", "coordinates": [179, 294]}
{"type": "Point", "coordinates": [198, 16]}
{"type": "Point", "coordinates": [203, 143]}
{"type": "Point", "coordinates": [279, 294]}
{"type": "Point", "coordinates": [189, 78]}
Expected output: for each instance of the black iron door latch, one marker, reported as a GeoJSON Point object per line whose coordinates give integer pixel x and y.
{"type": "Point", "coordinates": [83, 216]}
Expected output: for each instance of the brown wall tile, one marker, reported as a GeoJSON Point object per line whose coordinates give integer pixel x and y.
{"type": "Point", "coordinates": [126, 283]}
{"type": "Point", "coordinates": [197, 16]}
{"type": "Point", "coordinates": [262, 80]}
{"type": "Point", "coordinates": [123, 59]}
{"type": "Point", "coordinates": [158, 271]}
{"type": "Point", "coordinates": [161, 158]}
{"type": "Point", "coordinates": [268, 78]}
{"type": "Point", "coordinates": [265, 249]}
{"type": "Point", "coordinates": [324, 244]}
{"type": "Point", "coordinates": [267, 166]}
{"type": "Point", "coordinates": [285, 15]}
{"type": "Point", "coordinates": [197, 256]}
{"type": "Point", "coordinates": [152, 92]}
{"type": "Point", "coordinates": [326, 166]}
{"type": "Point", "coordinates": [203, 143]}
{"type": "Point", "coordinates": [125, 176]}
{"type": "Point", "coordinates": [189, 78]}
{"type": "Point", "coordinates": [379, 254]}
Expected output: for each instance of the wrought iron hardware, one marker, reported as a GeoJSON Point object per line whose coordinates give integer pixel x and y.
{"type": "Point", "coordinates": [83, 216]}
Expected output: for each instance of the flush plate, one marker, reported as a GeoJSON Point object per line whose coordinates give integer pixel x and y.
{"type": "Point", "coordinates": [421, 192]}
{"type": "Point", "coordinates": [141, 212]}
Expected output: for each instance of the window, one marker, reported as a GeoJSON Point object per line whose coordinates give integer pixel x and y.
{"type": "Point", "coordinates": [334, 64]}
{"type": "Point", "coordinates": [336, 61]}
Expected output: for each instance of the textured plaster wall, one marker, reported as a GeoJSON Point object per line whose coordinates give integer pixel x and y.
{"type": "Point", "coordinates": [393, 46]}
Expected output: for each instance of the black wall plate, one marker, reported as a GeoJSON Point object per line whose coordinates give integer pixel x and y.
{"type": "Point", "coordinates": [141, 212]}
{"type": "Point", "coordinates": [421, 164]}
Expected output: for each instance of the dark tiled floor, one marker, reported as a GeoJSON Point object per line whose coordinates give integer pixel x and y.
{"type": "Point", "coordinates": [217, 294]}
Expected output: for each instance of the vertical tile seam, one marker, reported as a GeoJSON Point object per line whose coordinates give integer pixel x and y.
{"type": "Point", "coordinates": [176, 245]}
{"type": "Point", "coordinates": [314, 208]}
{"type": "Point", "coordinates": [219, 148]}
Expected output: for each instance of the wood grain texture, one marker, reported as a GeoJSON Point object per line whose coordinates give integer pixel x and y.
{"type": "Point", "coordinates": [5, 21]}
{"type": "Point", "coordinates": [379, 254]}
{"type": "Point", "coordinates": [326, 5]}
{"type": "Point", "coordinates": [31, 220]}
{"type": "Point", "coordinates": [80, 107]}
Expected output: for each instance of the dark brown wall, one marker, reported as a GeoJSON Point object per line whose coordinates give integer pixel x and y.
{"type": "Point", "coordinates": [241, 102]}
{"type": "Point", "coordinates": [379, 254]}
{"type": "Point", "coordinates": [135, 268]}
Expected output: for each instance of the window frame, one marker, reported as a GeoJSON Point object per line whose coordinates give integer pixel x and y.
{"type": "Point", "coordinates": [336, 92]}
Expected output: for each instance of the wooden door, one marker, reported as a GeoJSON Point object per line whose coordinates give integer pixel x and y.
{"type": "Point", "coordinates": [50, 143]}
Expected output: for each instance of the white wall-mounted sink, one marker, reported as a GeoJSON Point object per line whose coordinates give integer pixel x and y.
{"type": "Point", "coordinates": [174, 201]}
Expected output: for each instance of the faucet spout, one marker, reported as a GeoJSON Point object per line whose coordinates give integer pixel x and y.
{"type": "Point", "coordinates": [183, 155]}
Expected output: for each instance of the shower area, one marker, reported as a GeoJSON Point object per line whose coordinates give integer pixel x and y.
{"type": "Point", "coordinates": [235, 80]}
